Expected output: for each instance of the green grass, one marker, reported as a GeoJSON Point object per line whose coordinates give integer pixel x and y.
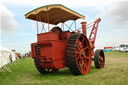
{"type": "Point", "coordinates": [25, 73]}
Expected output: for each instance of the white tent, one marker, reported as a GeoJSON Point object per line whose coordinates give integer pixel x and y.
{"type": "Point", "coordinates": [6, 56]}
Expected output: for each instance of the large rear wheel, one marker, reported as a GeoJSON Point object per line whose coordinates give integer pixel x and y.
{"type": "Point", "coordinates": [78, 54]}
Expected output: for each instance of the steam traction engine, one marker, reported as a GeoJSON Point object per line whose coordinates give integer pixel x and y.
{"type": "Point", "coordinates": [57, 47]}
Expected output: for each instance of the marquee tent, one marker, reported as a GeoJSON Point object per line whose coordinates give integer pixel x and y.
{"type": "Point", "coordinates": [6, 56]}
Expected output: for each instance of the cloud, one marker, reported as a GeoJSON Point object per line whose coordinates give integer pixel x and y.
{"type": "Point", "coordinates": [8, 23]}
{"type": "Point", "coordinates": [64, 2]}
{"type": "Point", "coordinates": [118, 13]}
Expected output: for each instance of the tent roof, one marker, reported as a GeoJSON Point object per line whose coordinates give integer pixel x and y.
{"type": "Point", "coordinates": [57, 13]}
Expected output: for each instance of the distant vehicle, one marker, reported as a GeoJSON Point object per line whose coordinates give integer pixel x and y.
{"type": "Point", "coordinates": [108, 49]}
{"type": "Point", "coordinates": [124, 48]}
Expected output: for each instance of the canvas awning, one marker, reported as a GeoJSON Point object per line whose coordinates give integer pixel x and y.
{"type": "Point", "coordinates": [57, 14]}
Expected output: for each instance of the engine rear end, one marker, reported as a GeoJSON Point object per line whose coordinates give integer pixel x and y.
{"type": "Point", "coordinates": [50, 49]}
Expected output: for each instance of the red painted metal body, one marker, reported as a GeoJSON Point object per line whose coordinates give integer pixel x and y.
{"type": "Point", "coordinates": [57, 49]}
{"type": "Point", "coordinates": [52, 49]}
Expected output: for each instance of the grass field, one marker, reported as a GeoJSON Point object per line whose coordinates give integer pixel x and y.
{"type": "Point", "coordinates": [25, 73]}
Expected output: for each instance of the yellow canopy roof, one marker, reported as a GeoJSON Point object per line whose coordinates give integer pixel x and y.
{"type": "Point", "coordinates": [57, 13]}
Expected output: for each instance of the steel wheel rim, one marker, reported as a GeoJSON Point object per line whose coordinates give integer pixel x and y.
{"type": "Point", "coordinates": [101, 59]}
{"type": "Point", "coordinates": [83, 58]}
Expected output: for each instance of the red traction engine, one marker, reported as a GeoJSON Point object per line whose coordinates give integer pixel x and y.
{"type": "Point", "coordinates": [60, 47]}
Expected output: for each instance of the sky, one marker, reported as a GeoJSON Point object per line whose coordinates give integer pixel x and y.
{"type": "Point", "coordinates": [18, 33]}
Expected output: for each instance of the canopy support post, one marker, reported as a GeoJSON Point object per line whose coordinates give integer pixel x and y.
{"type": "Point", "coordinates": [75, 24]}
{"type": "Point", "coordinates": [37, 23]}
{"type": "Point", "coordinates": [42, 24]}
{"type": "Point", "coordinates": [71, 25]}
{"type": "Point", "coordinates": [47, 20]}
{"type": "Point", "coordinates": [62, 26]}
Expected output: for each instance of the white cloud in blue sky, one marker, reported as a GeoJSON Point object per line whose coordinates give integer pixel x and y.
{"type": "Point", "coordinates": [109, 33]}
{"type": "Point", "coordinates": [64, 2]}
{"type": "Point", "coordinates": [8, 23]}
{"type": "Point", "coordinates": [118, 12]}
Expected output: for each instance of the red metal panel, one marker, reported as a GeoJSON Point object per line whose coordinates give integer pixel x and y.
{"type": "Point", "coordinates": [33, 53]}
{"type": "Point", "coordinates": [53, 54]}
{"type": "Point", "coordinates": [65, 35]}
{"type": "Point", "coordinates": [47, 36]}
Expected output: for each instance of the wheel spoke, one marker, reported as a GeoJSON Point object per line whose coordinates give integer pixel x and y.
{"type": "Point", "coordinates": [82, 58]}
{"type": "Point", "coordinates": [86, 57]}
{"type": "Point", "coordinates": [82, 69]}
{"type": "Point", "coordinates": [78, 47]}
{"type": "Point", "coordinates": [80, 64]}
{"type": "Point", "coordinates": [80, 44]}
{"type": "Point", "coordinates": [77, 52]}
{"type": "Point", "coordinates": [83, 41]}
{"type": "Point", "coordinates": [85, 48]}
{"type": "Point", "coordinates": [85, 66]}
{"type": "Point", "coordinates": [77, 58]}
{"type": "Point", "coordinates": [100, 58]}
